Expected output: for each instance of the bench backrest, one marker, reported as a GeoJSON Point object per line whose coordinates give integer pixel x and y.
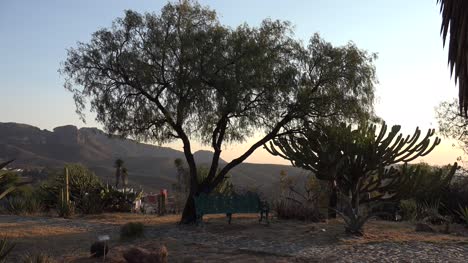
{"type": "Point", "coordinates": [220, 204]}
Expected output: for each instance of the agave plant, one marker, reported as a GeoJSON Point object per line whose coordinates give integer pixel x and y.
{"type": "Point", "coordinates": [5, 249]}
{"type": "Point", "coordinates": [463, 213]}
{"type": "Point", "coordinates": [428, 212]}
{"type": "Point", "coordinates": [5, 181]}
{"type": "Point", "coordinates": [37, 258]}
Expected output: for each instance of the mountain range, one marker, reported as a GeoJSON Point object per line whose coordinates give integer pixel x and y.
{"type": "Point", "coordinates": [149, 166]}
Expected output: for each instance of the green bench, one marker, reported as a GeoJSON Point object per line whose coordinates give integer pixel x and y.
{"type": "Point", "coordinates": [230, 204]}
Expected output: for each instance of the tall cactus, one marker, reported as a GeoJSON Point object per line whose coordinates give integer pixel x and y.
{"type": "Point", "coordinates": [358, 161]}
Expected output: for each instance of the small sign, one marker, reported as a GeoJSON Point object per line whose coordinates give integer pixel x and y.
{"type": "Point", "coordinates": [103, 238]}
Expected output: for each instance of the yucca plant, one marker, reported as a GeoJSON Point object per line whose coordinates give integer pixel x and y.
{"type": "Point", "coordinates": [5, 249]}
{"type": "Point", "coordinates": [21, 205]}
{"type": "Point", "coordinates": [429, 212]}
{"type": "Point", "coordinates": [6, 183]}
{"type": "Point", "coordinates": [409, 209]}
{"type": "Point", "coordinates": [463, 213]}
{"type": "Point", "coordinates": [37, 258]}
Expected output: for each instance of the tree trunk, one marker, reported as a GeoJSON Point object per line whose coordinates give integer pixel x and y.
{"type": "Point", "coordinates": [189, 215]}
{"type": "Point", "coordinates": [332, 201]}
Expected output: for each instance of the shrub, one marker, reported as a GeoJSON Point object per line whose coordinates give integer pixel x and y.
{"type": "Point", "coordinates": [92, 203]}
{"type": "Point", "coordinates": [463, 213]}
{"type": "Point", "coordinates": [429, 212]}
{"type": "Point", "coordinates": [8, 181]}
{"type": "Point", "coordinates": [65, 209]}
{"type": "Point", "coordinates": [37, 258]}
{"type": "Point", "coordinates": [5, 249]}
{"type": "Point", "coordinates": [82, 182]}
{"type": "Point", "coordinates": [23, 205]}
{"type": "Point", "coordinates": [115, 200]}
{"type": "Point", "coordinates": [131, 230]}
{"type": "Point", "coordinates": [286, 209]}
{"type": "Point", "coordinates": [300, 198]}
{"type": "Point", "coordinates": [409, 209]}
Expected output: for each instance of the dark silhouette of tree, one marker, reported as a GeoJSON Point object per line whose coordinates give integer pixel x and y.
{"type": "Point", "coordinates": [452, 124]}
{"type": "Point", "coordinates": [181, 75]}
{"type": "Point", "coordinates": [124, 176]}
{"type": "Point", "coordinates": [118, 171]}
{"type": "Point", "coordinates": [455, 24]}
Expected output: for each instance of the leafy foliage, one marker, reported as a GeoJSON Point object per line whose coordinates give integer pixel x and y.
{"type": "Point", "coordinates": [182, 185]}
{"type": "Point", "coordinates": [116, 200]}
{"type": "Point", "coordinates": [82, 184]}
{"type": "Point", "coordinates": [452, 124]}
{"type": "Point", "coordinates": [8, 181]}
{"type": "Point", "coordinates": [131, 230]}
{"type": "Point", "coordinates": [23, 205]}
{"type": "Point", "coordinates": [425, 183]}
{"type": "Point", "coordinates": [297, 203]}
{"type": "Point", "coordinates": [409, 210]}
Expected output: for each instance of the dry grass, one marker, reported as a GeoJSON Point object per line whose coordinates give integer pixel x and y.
{"type": "Point", "coordinates": [384, 231]}
{"type": "Point", "coordinates": [33, 230]}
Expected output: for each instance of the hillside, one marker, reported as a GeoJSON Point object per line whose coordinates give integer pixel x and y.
{"type": "Point", "coordinates": [149, 166]}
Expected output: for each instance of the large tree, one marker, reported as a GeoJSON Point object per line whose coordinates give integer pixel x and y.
{"type": "Point", "coordinates": [181, 75]}
{"type": "Point", "coordinates": [454, 24]}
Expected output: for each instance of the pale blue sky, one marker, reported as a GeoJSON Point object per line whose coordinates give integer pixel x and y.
{"type": "Point", "coordinates": [412, 65]}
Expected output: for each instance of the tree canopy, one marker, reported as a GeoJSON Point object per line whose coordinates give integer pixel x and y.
{"type": "Point", "coordinates": [181, 75]}
{"type": "Point", "coordinates": [452, 124]}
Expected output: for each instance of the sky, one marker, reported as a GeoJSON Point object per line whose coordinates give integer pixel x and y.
{"type": "Point", "coordinates": [411, 68]}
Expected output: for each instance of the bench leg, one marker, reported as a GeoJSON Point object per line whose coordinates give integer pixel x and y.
{"type": "Point", "coordinates": [266, 216]}
{"type": "Point", "coordinates": [229, 216]}
{"type": "Point", "coordinates": [199, 220]}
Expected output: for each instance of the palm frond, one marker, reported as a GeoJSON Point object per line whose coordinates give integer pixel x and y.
{"type": "Point", "coordinates": [455, 24]}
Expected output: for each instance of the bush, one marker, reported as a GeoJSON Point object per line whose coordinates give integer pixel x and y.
{"type": "Point", "coordinates": [463, 213]}
{"type": "Point", "coordinates": [286, 209]}
{"type": "Point", "coordinates": [82, 182]}
{"type": "Point", "coordinates": [92, 203]}
{"type": "Point", "coordinates": [409, 210]}
{"type": "Point", "coordinates": [118, 201]}
{"type": "Point", "coordinates": [300, 198]}
{"type": "Point", "coordinates": [131, 230]}
{"type": "Point", "coordinates": [37, 258]}
{"type": "Point", "coordinates": [455, 197]}
{"type": "Point", "coordinates": [23, 205]}
{"type": "Point", "coordinates": [65, 209]}
{"type": "Point", "coordinates": [5, 249]}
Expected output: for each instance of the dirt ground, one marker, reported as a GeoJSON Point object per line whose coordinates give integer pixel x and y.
{"type": "Point", "coordinates": [245, 240]}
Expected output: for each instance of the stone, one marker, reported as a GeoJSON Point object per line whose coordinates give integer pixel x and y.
{"type": "Point", "coordinates": [141, 255]}
{"type": "Point", "coordinates": [421, 227]}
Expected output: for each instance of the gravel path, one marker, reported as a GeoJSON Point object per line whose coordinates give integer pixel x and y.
{"type": "Point", "coordinates": [376, 252]}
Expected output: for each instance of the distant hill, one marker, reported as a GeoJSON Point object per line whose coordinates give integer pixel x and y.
{"type": "Point", "coordinates": [149, 166]}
